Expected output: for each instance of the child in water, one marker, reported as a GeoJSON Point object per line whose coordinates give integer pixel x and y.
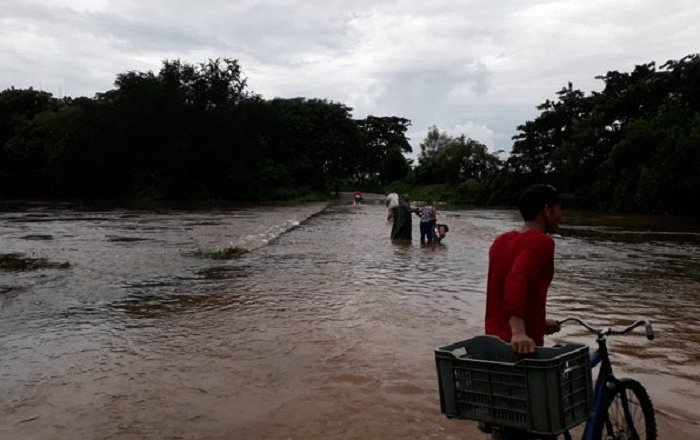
{"type": "Point", "coordinates": [428, 217]}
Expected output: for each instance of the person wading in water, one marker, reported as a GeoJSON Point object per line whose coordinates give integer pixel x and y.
{"type": "Point", "coordinates": [521, 267]}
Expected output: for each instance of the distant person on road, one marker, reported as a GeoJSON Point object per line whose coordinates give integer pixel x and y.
{"type": "Point", "coordinates": [428, 217]}
{"type": "Point", "coordinates": [357, 198]}
{"type": "Point", "coordinates": [521, 267]}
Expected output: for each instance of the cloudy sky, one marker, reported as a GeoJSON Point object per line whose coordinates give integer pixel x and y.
{"type": "Point", "coordinates": [477, 68]}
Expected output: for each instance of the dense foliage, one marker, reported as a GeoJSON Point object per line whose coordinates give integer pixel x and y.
{"type": "Point", "coordinates": [464, 166]}
{"type": "Point", "coordinates": [634, 146]}
{"type": "Point", "coordinates": [195, 132]}
{"type": "Point", "coordinates": [189, 132]}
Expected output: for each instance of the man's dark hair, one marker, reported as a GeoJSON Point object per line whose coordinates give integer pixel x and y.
{"type": "Point", "coordinates": [535, 198]}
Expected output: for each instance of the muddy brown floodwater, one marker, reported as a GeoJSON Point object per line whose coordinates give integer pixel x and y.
{"type": "Point", "coordinates": [324, 330]}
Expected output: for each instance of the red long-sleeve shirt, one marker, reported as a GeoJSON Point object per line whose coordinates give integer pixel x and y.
{"type": "Point", "coordinates": [521, 267]}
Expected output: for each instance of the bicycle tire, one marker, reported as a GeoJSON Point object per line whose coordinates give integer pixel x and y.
{"type": "Point", "coordinates": [617, 425]}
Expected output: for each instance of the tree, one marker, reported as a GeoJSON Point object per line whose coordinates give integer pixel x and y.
{"type": "Point", "coordinates": [534, 149]}
{"type": "Point", "coordinates": [445, 159]}
{"type": "Point", "coordinates": [385, 144]}
{"type": "Point", "coordinates": [619, 148]}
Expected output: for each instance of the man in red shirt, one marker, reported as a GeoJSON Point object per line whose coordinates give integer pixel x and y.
{"type": "Point", "coordinates": [521, 266]}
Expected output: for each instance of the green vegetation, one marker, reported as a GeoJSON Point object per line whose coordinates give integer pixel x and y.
{"type": "Point", "coordinates": [189, 133]}
{"type": "Point", "coordinates": [634, 146]}
{"type": "Point", "coordinates": [194, 132]}
{"type": "Point", "coordinates": [442, 192]}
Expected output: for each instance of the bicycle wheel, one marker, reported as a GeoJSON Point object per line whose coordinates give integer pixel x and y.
{"type": "Point", "coordinates": [629, 414]}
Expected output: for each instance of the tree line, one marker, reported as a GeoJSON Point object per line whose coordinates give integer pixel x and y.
{"type": "Point", "coordinates": [632, 147]}
{"type": "Point", "coordinates": [190, 132]}
{"type": "Point", "coordinates": [196, 132]}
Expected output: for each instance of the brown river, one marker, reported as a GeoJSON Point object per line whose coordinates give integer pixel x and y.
{"type": "Point", "coordinates": [326, 329]}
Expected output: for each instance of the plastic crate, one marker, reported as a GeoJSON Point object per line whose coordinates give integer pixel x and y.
{"type": "Point", "coordinates": [483, 379]}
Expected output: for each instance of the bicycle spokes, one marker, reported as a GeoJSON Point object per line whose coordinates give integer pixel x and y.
{"type": "Point", "coordinates": [625, 419]}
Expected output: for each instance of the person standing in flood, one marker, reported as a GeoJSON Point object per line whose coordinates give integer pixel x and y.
{"type": "Point", "coordinates": [428, 217]}
{"type": "Point", "coordinates": [521, 267]}
{"type": "Point", "coordinates": [400, 215]}
{"type": "Point", "coordinates": [357, 198]}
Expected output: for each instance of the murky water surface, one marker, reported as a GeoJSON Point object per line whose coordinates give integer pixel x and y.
{"type": "Point", "coordinates": [325, 330]}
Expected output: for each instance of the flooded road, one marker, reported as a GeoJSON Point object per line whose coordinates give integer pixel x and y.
{"type": "Point", "coordinates": [324, 330]}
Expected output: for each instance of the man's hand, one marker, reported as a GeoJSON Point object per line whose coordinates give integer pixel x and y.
{"type": "Point", "coordinates": [552, 326]}
{"type": "Point", "coordinates": [522, 343]}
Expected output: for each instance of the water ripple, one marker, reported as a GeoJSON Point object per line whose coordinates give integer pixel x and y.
{"type": "Point", "coordinates": [327, 329]}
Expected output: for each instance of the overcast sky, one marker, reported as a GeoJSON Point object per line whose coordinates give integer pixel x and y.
{"type": "Point", "coordinates": [477, 68]}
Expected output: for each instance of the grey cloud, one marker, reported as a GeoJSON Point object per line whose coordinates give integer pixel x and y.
{"type": "Point", "coordinates": [426, 91]}
{"type": "Point", "coordinates": [481, 79]}
{"type": "Point", "coordinates": [140, 32]}
{"type": "Point", "coordinates": [454, 64]}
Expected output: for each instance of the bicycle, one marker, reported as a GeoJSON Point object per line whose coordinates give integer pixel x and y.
{"type": "Point", "coordinates": [546, 396]}
{"type": "Point", "coordinates": [622, 408]}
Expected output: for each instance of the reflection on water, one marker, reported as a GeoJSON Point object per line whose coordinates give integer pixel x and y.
{"type": "Point", "coordinates": [325, 330]}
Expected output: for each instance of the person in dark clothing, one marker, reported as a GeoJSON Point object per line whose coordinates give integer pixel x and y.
{"type": "Point", "coordinates": [400, 215]}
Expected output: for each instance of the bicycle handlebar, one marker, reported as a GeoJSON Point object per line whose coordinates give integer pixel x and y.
{"type": "Point", "coordinates": [611, 331]}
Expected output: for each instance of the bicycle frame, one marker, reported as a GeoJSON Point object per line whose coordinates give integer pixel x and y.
{"type": "Point", "coordinates": [606, 384]}
{"type": "Point", "coordinates": [600, 390]}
